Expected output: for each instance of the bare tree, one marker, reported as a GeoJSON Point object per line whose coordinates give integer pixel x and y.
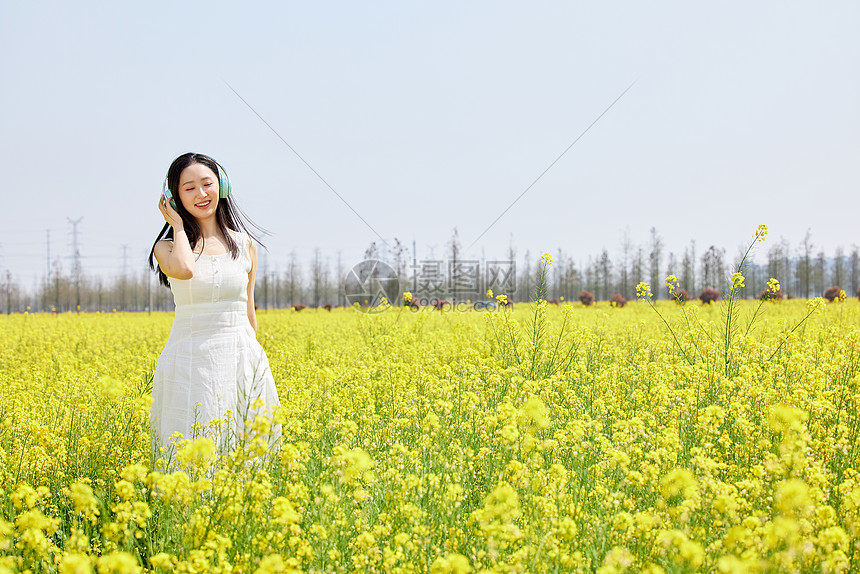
{"type": "Point", "coordinates": [372, 251]}
{"type": "Point", "coordinates": [672, 264]}
{"type": "Point", "coordinates": [819, 270]}
{"type": "Point", "coordinates": [526, 279]}
{"type": "Point", "coordinates": [556, 274]}
{"type": "Point", "coordinates": [454, 257]}
{"type": "Point", "coordinates": [326, 283]}
{"type": "Point", "coordinates": [293, 279]}
{"type": "Point", "coordinates": [591, 275]}
{"type": "Point", "coordinates": [688, 271]}
{"type": "Point", "coordinates": [624, 286]}
{"type": "Point", "coordinates": [399, 258]}
{"type": "Point", "coordinates": [713, 268]}
{"type": "Point", "coordinates": [804, 265]}
{"type": "Point", "coordinates": [693, 288]}
{"type": "Point", "coordinates": [573, 281]}
{"type": "Point", "coordinates": [775, 261]}
{"type": "Point", "coordinates": [11, 292]}
{"type": "Point", "coordinates": [512, 258]}
{"type": "Point", "coordinates": [638, 268]}
{"type": "Point", "coordinates": [339, 283]}
{"type": "Point", "coordinates": [854, 268]}
{"type": "Point", "coordinates": [317, 277]}
{"type": "Point", "coordinates": [786, 270]}
{"type": "Point", "coordinates": [838, 275]}
{"type": "Point", "coordinates": [605, 265]}
{"type": "Point", "coordinates": [655, 256]}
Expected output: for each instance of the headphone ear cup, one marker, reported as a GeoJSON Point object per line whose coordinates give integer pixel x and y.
{"type": "Point", "coordinates": [223, 183]}
{"type": "Point", "coordinates": [165, 191]}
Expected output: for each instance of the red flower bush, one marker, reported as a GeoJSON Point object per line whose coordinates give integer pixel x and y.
{"type": "Point", "coordinates": [681, 296]}
{"type": "Point", "coordinates": [618, 300]}
{"type": "Point", "coordinates": [298, 306]}
{"type": "Point", "coordinates": [768, 295]}
{"type": "Point", "coordinates": [833, 293]}
{"type": "Point", "coordinates": [586, 297]}
{"type": "Point", "coordinates": [709, 295]}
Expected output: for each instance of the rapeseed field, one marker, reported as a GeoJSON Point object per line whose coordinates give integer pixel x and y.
{"type": "Point", "coordinates": [654, 437]}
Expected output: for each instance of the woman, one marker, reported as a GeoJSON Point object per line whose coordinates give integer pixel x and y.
{"type": "Point", "coordinates": [212, 362]}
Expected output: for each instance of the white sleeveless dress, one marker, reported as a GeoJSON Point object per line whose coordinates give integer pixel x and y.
{"type": "Point", "coordinates": [212, 361]}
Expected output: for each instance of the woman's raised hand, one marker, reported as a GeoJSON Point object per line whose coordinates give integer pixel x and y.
{"type": "Point", "coordinates": [171, 216]}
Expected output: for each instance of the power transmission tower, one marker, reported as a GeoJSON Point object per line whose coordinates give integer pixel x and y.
{"type": "Point", "coordinates": [124, 259]}
{"type": "Point", "coordinates": [77, 264]}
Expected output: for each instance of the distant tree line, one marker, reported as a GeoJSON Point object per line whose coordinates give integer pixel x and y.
{"type": "Point", "coordinates": [803, 271]}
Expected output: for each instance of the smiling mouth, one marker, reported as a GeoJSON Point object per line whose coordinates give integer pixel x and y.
{"type": "Point", "coordinates": [204, 204]}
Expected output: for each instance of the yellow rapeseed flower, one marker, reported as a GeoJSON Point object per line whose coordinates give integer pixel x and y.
{"type": "Point", "coordinates": [737, 281]}
{"type": "Point", "coordinates": [162, 560]}
{"type": "Point", "coordinates": [643, 290]}
{"type": "Point", "coordinates": [792, 496]}
{"type": "Point", "coordinates": [354, 464]}
{"type": "Point", "coordinates": [671, 283]}
{"type": "Point", "coordinates": [678, 481]}
{"type": "Point", "coordinates": [453, 563]}
{"type": "Point", "coordinates": [535, 413]}
{"type": "Point", "coordinates": [75, 563]}
{"type": "Point", "coordinates": [197, 452]}
{"type": "Point", "coordinates": [271, 564]}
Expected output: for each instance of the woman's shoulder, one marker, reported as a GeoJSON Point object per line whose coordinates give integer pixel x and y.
{"type": "Point", "coordinates": [245, 243]}
{"type": "Point", "coordinates": [241, 238]}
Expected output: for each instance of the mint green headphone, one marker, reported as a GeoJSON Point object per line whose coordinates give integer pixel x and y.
{"type": "Point", "coordinates": [223, 184]}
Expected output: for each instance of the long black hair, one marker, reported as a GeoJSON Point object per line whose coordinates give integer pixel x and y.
{"type": "Point", "coordinates": [228, 215]}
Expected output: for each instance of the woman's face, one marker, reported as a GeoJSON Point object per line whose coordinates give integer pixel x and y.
{"type": "Point", "coordinates": [198, 190]}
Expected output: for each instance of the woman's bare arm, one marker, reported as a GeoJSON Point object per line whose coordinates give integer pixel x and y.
{"type": "Point", "coordinates": [174, 258]}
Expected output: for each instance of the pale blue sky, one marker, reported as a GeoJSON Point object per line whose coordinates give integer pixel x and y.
{"type": "Point", "coordinates": [429, 117]}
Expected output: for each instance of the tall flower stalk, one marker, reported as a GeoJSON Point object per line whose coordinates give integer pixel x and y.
{"type": "Point", "coordinates": [737, 283]}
